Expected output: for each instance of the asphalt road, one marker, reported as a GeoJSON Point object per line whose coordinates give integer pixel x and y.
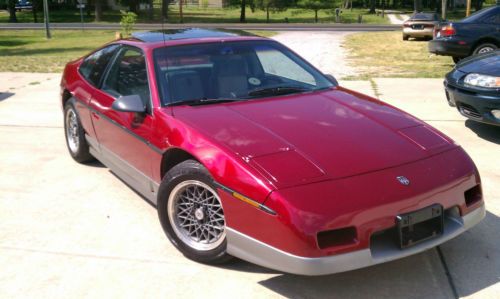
{"type": "Point", "coordinates": [272, 27]}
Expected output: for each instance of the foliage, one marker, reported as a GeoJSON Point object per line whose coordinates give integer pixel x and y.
{"type": "Point", "coordinates": [272, 5]}
{"type": "Point", "coordinates": [128, 21]}
{"type": "Point", "coordinates": [316, 5]}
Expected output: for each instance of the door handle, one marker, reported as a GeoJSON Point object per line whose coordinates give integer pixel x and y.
{"type": "Point", "coordinates": [95, 115]}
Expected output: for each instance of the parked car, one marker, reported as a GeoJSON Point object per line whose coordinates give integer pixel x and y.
{"type": "Point", "coordinates": [23, 5]}
{"type": "Point", "coordinates": [473, 86]}
{"type": "Point", "coordinates": [421, 25]}
{"type": "Point", "coordinates": [478, 33]}
{"type": "Point", "coordinates": [247, 150]}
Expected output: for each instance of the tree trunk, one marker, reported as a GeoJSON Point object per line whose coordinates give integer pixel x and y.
{"type": "Point", "coordinates": [34, 9]}
{"type": "Point", "coordinates": [12, 11]}
{"type": "Point", "coordinates": [315, 16]}
{"type": "Point", "coordinates": [242, 13]}
{"type": "Point", "coordinates": [150, 10]}
{"type": "Point", "coordinates": [181, 15]}
{"type": "Point", "coordinates": [164, 9]}
{"type": "Point", "coordinates": [267, 13]}
{"type": "Point", "coordinates": [444, 9]}
{"type": "Point", "coordinates": [133, 5]}
{"type": "Point", "coordinates": [417, 5]}
{"type": "Point", "coordinates": [479, 5]}
{"type": "Point", "coordinates": [372, 6]}
{"type": "Point", "coordinates": [98, 10]}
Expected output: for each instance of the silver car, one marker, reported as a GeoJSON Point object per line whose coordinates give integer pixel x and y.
{"type": "Point", "coordinates": [421, 25]}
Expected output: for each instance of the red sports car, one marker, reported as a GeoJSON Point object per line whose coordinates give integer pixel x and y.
{"type": "Point", "coordinates": [249, 151]}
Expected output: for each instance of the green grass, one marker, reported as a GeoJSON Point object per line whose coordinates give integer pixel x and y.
{"type": "Point", "coordinates": [209, 15]}
{"type": "Point", "coordinates": [30, 51]}
{"type": "Point", "coordinates": [385, 54]}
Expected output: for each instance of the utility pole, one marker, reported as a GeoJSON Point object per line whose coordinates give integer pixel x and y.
{"type": "Point", "coordinates": [467, 10]}
{"type": "Point", "coordinates": [46, 15]}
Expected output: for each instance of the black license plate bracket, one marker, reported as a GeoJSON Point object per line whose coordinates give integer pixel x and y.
{"type": "Point", "coordinates": [419, 226]}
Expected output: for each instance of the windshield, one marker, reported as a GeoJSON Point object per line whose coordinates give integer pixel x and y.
{"type": "Point", "coordinates": [232, 70]}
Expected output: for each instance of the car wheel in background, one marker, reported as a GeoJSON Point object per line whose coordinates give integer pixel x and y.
{"type": "Point", "coordinates": [405, 37]}
{"type": "Point", "coordinates": [456, 59]}
{"type": "Point", "coordinates": [75, 135]}
{"type": "Point", "coordinates": [191, 213]}
{"type": "Point", "coordinates": [484, 48]}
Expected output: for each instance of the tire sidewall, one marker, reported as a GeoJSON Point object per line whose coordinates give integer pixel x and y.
{"type": "Point", "coordinates": [188, 170]}
{"type": "Point", "coordinates": [478, 48]}
{"type": "Point", "coordinates": [82, 152]}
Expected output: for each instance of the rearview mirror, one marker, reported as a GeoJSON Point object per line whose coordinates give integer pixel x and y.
{"type": "Point", "coordinates": [131, 103]}
{"type": "Point", "coordinates": [332, 79]}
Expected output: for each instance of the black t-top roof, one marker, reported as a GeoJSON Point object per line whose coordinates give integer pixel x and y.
{"type": "Point", "coordinates": [186, 33]}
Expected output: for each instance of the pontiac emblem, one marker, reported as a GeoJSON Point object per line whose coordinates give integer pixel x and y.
{"type": "Point", "coordinates": [403, 180]}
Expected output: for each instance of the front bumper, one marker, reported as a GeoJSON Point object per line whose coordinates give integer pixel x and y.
{"type": "Point", "coordinates": [380, 251]}
{"type": "Point", "coordinates": [449, 47]}
{"type": "Point", "coordinates": [473, 105]}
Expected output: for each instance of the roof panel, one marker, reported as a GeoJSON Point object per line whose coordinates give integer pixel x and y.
{"type": "Point", "coordinates": [186, 33]}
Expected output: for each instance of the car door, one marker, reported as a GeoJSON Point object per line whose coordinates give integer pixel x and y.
{"type": "Point", "coordinates": [124, 136]}
{"type": "Point", "coordinates": [92, 70]}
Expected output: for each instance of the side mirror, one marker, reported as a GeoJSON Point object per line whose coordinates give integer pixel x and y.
{"type": "Point", "coordinates": [332, 79]}
{"type": "Point", "coordinates": [131, 103]}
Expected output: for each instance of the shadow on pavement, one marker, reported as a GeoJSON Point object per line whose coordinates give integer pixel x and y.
{"type": "Point", "coordinates": [487, 132]}
{"type": "Point", "coordinates": [5, 95]}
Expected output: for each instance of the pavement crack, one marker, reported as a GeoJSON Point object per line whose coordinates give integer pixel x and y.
{"type": "Point", "coordinates": [447, 272]}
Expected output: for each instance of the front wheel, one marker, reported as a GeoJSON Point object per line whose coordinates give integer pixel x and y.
{"type": "Point", "coordinates": [191, 213]}
{"type": "Point", "coordinates": [405, 37]}
{"type": "Point", "coordinates": [484, 48]}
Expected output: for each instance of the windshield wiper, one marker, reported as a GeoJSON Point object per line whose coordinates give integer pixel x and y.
{"type": "Point", "coordinates": [202, 101]}
{"type": "Point", "coordinates": [277, 90]}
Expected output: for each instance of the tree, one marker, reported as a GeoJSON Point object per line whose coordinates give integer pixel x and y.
{"type": "Point", "coordinates": [242, 12]}
{"type": "Point", "coordinates": [164, 9]}
{"type": "Point", "coordinates": [444, 6]}
{"type": "Point", "coordinates": [272, 5]}
{"type": "Point", "coordinates": [11, 5]}
{"type": "Point", "coordinates": [98, 10]}
{"type": "Point", "coordinates": [316, 5]}
{"type": "Point", "coordinates": [372, 6]}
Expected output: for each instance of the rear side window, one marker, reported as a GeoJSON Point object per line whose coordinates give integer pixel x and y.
{"type": "Point", "coordinates": [93, 66]}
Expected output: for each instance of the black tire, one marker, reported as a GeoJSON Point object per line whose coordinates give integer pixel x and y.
{"type": "Point", "coordinates": [405, 37]}
{"type": "Point", "coordinates": [456, 59]}
{"type": "Point", "coordinates": [80, 152]}
{"type": "Point", "coordinates": [189, 170]}
{"type": "Point", "coordinates": [484, 48]}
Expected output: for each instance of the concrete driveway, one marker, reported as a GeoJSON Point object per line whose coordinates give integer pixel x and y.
{"type": "Point", "coordinates": [71, 231]}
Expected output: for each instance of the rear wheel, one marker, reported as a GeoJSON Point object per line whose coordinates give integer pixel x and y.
{"type": "Point", "coordinates": [191, 213]}
{"type": "Point", "coordinates": [456, 59]}
{"type": "Point", "coordinates": [75, 135]}
{"type": "Point", "coordinates": [405, 37]}
{"type": "Point", "coordinates": [484, 48]}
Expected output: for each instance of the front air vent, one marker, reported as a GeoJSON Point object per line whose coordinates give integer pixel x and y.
{"type": "Point", "coordinates": [473, 195]}
{"type": "Point", "coordinates": [469, 111]}
{"type": "Point", "coordinates": [337, 237]}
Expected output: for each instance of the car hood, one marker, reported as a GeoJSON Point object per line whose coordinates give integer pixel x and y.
{"type": "Point", "coordinates": [308, 137]}
{"type": "Point", "coordinates": [486, 64]}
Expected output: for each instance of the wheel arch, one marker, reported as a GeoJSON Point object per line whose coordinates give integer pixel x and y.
{"type": "Point", "coordinates": [65, 97]}
{"type": "Point", "coordinates": [173, 157]}
{"type": "Point", "coordinates": [484, 40]}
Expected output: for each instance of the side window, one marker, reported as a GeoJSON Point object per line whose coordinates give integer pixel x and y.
{"type": "Point", "coordinates": [274, 62]}
{"type": "Point", "coordinates": [128, 76]}
{"type": "Point", "coordinates": [93, 66]}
